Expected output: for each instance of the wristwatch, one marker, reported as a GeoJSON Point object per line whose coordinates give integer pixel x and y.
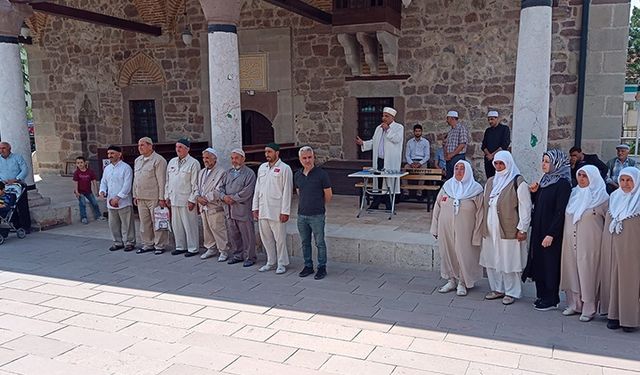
{"type": "Point", "coordinates": [522, 232]}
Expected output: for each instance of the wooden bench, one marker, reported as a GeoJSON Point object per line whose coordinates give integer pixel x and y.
{"type": "Point", "coordinates": [432, 178]}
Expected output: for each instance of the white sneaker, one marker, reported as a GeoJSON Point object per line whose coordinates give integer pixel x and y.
{"type": "Point", "coordinates": [84, 220]}
{"type": "Point", "coordinates": [266, 267]}
{"type": "Point", "coordinates": [223, 257]}
{"type": "Point", "coordinates": [569, 311]}
{"type": "Point", "coordinates": [461, 290]}
{"type": "Point", "coordinates": [280, 270]}
{"type": "Point", "coordinates": [448, 287]}
{"type": "Point", "coordinates": [209, 254]}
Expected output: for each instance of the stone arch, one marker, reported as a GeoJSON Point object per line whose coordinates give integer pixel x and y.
{"type": "Point", "coordinates": [141, 69]}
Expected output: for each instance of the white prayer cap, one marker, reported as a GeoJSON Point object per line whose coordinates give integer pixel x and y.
{"type": "Point", "coordinates": [390, 111]}
{"type": "Point", "coordinates": [452, 114]}
{"type": "Point", "coordinates": [238, 151]}
{"type": "Point", "coordinates": [211, 150]}
{"type": "Point", "coordinates": [493, 114]}
{"type": "Point", "coordinates": [624, 146]}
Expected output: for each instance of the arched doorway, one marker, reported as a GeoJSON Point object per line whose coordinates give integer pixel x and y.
{"type": "Point", "coordinates": [256, 129]}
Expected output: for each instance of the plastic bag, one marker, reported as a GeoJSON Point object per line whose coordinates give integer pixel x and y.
{"type": "Point", "coordinates": [161, 219]}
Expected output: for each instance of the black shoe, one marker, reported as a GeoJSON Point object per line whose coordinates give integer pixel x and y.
{"type": "Point", "coordinates": [544, 306]}
{"type": "Point", "coordinates": [629, 329]}
{"type": "Point", "coordinates": [248, 263]}
{"type": "Point", "coordinates": [189, 254]}
{"type": "Point", "coordinates": [129, 248]}
{"type": "Point", "coordinates": [178, 252]}
{"type": "Point", "coordinates": [421, 199]}
{"type": "Point", "coordinates": [116, 247]}
{"type": "Point", "coordinates": [613, 324]}
{"type": "Point", "coordinates": [537, 301]}
{"type": "Point", "coordinates": [322, 272]}
{"type": "Point", "coordinates": [142, 250]}
{"type": "Point", "coordinates": [234, 261]}
{"type": "Point", "coordinates": [306, 271]}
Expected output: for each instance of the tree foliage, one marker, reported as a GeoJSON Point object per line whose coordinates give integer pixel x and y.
{"type": "Point", "coordinates": [633, 52]}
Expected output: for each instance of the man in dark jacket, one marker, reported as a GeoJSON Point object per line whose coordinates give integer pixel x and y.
{"type": "Point", "coordinates": [579, 159]}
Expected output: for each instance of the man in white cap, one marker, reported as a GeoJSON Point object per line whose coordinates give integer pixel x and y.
{"type": "Point", "coordinates": [615, 165]}
{"type": "Point", "coordinates": [212, 207]}
{"type": "Point", "coordinates": [387, 151]}
{"type": "Point", "coordinates": [150, 173]}
{"type": "Point", "coordinates": [237, 190]}
{"type": "Point", "coordinates": [496, 138]}
{"type": "Point", "coordinates": [456, 145]}
{"type": "Point", "coordinates": [180, 192]}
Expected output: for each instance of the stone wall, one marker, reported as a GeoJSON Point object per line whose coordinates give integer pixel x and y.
{"type": "Point", "coordinates": [605, 76]}
{"type": "Point", "coordinates": [75, 69]}
{"type": "Point", "coordinates": [459, 55]}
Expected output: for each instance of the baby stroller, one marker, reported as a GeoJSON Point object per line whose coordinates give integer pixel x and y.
{"type": "Point", "coordinates": [7, 212]}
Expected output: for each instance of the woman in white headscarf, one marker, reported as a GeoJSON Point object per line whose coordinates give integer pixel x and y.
{"type": "Point", "coordinates": [457, 215]}
{"type": "Point", "coordinates": [507, 214]}
{"type": "Point", "coordinates": [583, 225]}
{"type": "Point", "coordinates": [620, 246]}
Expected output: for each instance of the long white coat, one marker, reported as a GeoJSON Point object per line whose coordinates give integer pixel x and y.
{"type": "Point", "coordinates": [274, 186]}
{"type": "Point", "coordinates": [393, 141]}
{"type": "Point", "coordinates": [181, 186]}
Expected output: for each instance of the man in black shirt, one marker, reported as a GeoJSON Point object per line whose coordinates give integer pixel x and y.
{"type": "Point", "coordinates": [497, 137]}
{"type": "Point", "coordinates": [314, 191]}
{"type": "Point", "coordinates": [579, 159]}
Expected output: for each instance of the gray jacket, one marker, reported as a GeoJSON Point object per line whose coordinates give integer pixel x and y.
{"type": "Point", "coordinates": [240, 186]}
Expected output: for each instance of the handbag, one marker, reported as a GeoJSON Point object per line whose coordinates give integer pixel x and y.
{"type": "Point", "coordinates": [161, 219]}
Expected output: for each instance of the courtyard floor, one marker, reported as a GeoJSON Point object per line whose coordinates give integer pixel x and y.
{"type": "Point", "coordinates": [69, 306]}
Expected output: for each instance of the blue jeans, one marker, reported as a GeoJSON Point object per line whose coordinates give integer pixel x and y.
{"type": "Point", "coordinates": [94, 204]}
{"type": "Point", "coordinates": [308, 225]}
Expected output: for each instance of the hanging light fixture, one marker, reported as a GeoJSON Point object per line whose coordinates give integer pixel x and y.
{"type": "Point", "coordinates": [187, 36]}
{"type": "Point", "coordinates": [25, 32]}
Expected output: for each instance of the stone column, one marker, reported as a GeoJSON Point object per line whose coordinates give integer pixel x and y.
{"type": "Point", "coordinates": [531, 96]}
{"type": "Point", "coordinates": [13, 116]}
{"type": "Point", "coordinates": [224, 76]}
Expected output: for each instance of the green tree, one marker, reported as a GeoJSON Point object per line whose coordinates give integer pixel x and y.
{"type": "Point", "coordinates": [633, 52]}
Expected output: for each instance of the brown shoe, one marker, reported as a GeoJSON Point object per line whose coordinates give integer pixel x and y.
{"type": "Point", "coordinates": [493, 295]}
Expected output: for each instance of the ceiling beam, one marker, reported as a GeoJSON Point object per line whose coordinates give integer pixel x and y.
{"type": "Point", "coordinates": [303, 9]}
{"type": "Point", "coordinates": [95, 18]}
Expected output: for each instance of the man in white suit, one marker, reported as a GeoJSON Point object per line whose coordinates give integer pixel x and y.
{"type": "Point", "coordinates": [272, 206]}
{"type": "Point", "coordinates": [387, 151]}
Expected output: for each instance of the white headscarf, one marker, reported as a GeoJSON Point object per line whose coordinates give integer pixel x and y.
{"type": "Point", "coordinates": [504, 177]}
{"type": "Point", "coordinates": [591, 196]}
{"type": "Point", "coordinates": [625, 205]}
{"type": "Point", "coordinates": [465, 189]}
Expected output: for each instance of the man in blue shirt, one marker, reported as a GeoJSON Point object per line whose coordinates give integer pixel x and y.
{"type": "Point", "coordinates": [13, 170]}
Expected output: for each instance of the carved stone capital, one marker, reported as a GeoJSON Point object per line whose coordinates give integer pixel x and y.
{"type": "Point", "coordinates": [12, 16]}
{"type": "Point", "coordinates": [369, 45]}
{"type": "Point", "coordinates": [221, 11]}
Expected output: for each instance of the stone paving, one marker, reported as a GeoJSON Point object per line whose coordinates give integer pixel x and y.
{"type": "Point", "coordinates": [69, 306]}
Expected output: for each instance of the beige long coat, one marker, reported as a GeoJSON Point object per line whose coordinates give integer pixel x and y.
{"type": "Point", "coordinates": [621, 260]}
{"type": "Point", "coordinates": [581, 253]}
{"type": "Point", "coordinates": [458, 237]}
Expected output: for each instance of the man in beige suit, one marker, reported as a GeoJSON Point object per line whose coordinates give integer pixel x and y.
{"type": "Point", "coordinates": [150, 171]}
{"type": "Point", "coordinates": [212, 207]}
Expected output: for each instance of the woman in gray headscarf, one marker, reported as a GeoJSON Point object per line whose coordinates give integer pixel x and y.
{"type": "Point", "coordinates": [550, 197]}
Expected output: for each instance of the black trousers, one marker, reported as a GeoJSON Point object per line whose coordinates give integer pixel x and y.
{"type": "Point", "coordinates": [452, 163]}
{"type": "Point", "coordinates": [22, 217]}
{"type": "Point", "coordinates": [489, 169]}
{"type": "Point", "coordinates": [377, 199]}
